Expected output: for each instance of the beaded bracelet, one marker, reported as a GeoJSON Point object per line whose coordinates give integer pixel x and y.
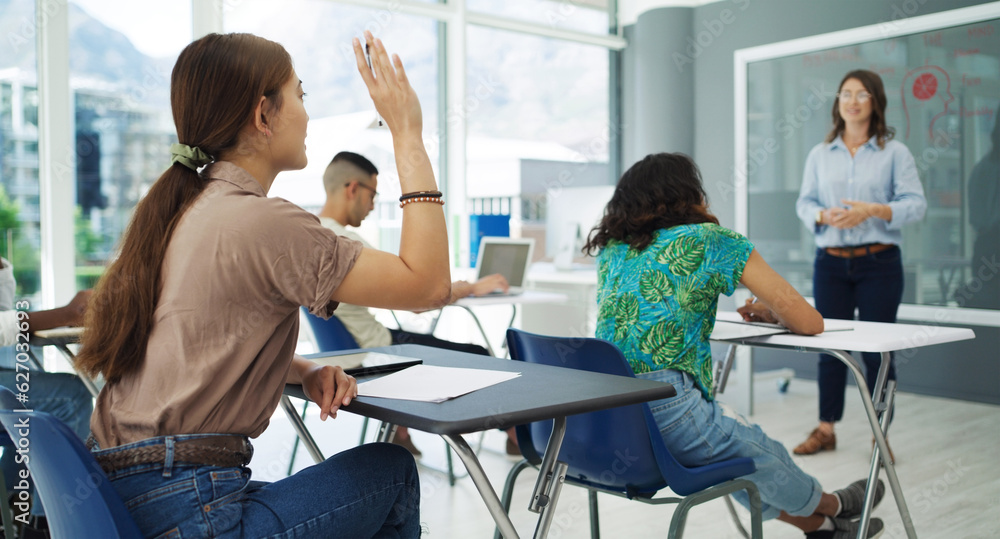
{"type": "Point", "coordinates": [427, 194]}
{"type": "Point", "coordinates": [436, 200]}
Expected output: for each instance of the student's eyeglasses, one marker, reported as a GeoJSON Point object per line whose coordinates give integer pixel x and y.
{"type": "Point", "coordinates": [368, 187]}
{"type": "Point", "coordinates": [862, 96]}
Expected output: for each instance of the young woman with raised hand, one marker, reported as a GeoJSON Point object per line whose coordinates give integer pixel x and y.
{"type": "Point", "coordinates": [194, 324]}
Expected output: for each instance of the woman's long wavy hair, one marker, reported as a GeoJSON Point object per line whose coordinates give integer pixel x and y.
{"type": "Point", "coordinates": [215, 87]}
{"type": "Point", "coordinates": [661, 191]}
{"type": "Point", "coordinates": [877, 126]}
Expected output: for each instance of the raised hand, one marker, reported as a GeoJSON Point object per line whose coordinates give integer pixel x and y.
{"type": "Point", "coordinates": [395, 100]}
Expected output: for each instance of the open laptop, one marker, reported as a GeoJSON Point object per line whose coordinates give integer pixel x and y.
{"type": "Point", "coordinates": [509, 257]}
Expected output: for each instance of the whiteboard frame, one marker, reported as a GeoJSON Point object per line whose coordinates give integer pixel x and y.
{"type": "Point", "coordinates": [842, 38]}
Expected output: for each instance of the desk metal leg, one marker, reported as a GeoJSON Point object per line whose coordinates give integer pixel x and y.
{"type": "Point", "coordinates": [300, 429]}
{"type": "Point", "coordinates": [551, 476]}
{"type": "Point", "coordinates": [83, 378]}
{"type": "Point", "coordinates": [482, 331]}
{"type": "Point", "coordinates": [479, 478]}
{"type": "Point", "coordinates": [881, 450]}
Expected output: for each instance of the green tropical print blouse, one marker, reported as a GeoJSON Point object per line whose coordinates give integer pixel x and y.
{"type": "Point", "coordinates": [658, 305]}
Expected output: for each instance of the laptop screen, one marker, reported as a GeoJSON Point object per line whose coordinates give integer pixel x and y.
{"type": "Point", "coordinates": [506, 256]}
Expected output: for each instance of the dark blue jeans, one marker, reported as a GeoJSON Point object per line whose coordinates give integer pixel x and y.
{"type": "Point", "coordinates": [368, 491]}
{"type": "Point", "coordinates": [872, 284]}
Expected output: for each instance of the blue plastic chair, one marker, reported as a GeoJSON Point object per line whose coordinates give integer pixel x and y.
{"type": "Point", "coordinates": [78, 497]}
{"type": "Point", "coordinates": [331, 335]}
{"type": "Point", "coordinates": [595, 442]}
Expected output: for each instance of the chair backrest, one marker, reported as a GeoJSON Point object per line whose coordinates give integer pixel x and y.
{"type": "Point", "coordinates": [331, 335]}
{"type": "Point", "coordinates": [619, 448]}
{"type": "Point", "coordinates": [78, 497]}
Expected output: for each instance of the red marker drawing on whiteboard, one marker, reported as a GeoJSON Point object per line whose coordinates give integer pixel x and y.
{"type": "Point", "coordinates": [926, 86]}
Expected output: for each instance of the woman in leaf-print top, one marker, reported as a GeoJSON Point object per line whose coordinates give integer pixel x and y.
{"type": "Point", "coordinates": [663, 262]}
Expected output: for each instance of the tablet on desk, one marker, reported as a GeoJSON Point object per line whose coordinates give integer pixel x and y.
{"type": "Point", "coordinates": [366, 363]}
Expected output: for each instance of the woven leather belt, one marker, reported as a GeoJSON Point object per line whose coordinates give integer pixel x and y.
{"type": "Point", "coordinates": [860, 250]}
{"type": "Point", "coordinates": [224, 451]}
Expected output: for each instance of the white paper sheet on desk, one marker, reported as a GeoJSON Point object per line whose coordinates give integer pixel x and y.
{"type": "Point", "coordinates": [430, 383]}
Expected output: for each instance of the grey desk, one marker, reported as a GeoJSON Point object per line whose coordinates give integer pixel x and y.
{"type": "Point", "coordinates": [876, 337]}
{"type": "Point", "coordinates": [540, 393]}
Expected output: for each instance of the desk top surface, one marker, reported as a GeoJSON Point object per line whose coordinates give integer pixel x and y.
{"type": "Point", "coordinates": [864, 337]}
{"type": "Point", "coordinates": [541, 392]}
{"type": "Point", "coordinates": [55, 336]}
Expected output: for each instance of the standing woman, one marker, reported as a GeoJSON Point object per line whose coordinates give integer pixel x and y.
{"type": "Point", "coordinates": [194, 325]}
{"type": "Point", "coordinates": [859, 189]}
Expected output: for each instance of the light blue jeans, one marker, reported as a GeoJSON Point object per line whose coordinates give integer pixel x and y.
{"type": "Point", "coordinates": [368, 491]}
{"type": "Point", "coordinates": [698, 431]}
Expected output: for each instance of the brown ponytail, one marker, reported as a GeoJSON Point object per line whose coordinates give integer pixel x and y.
{"type": "Point", "coordinates": [214, 88]}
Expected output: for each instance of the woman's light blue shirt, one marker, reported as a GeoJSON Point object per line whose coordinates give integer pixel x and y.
{"type": "Point", "coordinates": [885, 176]}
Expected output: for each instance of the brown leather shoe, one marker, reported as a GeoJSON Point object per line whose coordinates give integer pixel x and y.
{"type": "Point", "coordinates": [816, 442]}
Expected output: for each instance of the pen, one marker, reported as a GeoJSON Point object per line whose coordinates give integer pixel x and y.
{"type": "Point", "coordinates": [368, 59]}
{"type": "Point", "coordinates": [381, 369]}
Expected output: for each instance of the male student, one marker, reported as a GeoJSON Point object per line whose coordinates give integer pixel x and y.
{"type": "Point", "coordinates": [351, 183]}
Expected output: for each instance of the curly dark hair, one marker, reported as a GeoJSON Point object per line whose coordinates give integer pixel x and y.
{"type": "Point", "coordinates": [662, 190]}
{"type": "Point", "coordinates": [877, 126]}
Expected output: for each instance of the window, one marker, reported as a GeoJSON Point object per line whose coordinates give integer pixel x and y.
{"type": "Point", "coordinates": [20, 239]}
{"type": "Point", "coordinates": [538, 123]}
{"type": "Point", "coordinates": [586, 16]}
{"type": "Point", "coordinates": [121, 57]}
{"type": "Point", "coordinates": [342, 116]}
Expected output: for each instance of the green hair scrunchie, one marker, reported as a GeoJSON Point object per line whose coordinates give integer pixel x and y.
{"type": "Point", "coordinates": [191, 157]}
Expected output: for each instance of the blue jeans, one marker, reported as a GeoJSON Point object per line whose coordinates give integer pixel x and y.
{"type": "Point", "coordinates": [698, 432]}
{"type": "Point", "coordinates": [61, 394]}
{"type": "Point", "coordinates": [367, 491]}
{"type": "Point", "coordinates": [872, 284]}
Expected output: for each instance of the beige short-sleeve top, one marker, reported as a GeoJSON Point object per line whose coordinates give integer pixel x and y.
{"type": "Point", "coordinates": [238, 266]}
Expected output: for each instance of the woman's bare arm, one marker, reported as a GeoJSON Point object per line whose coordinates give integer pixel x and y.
{"type": "Point", "coordinates": [777, 300]}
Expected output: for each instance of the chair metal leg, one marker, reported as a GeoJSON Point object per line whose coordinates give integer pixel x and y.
{"type": "Point", "coordinates": [364, 431]}
{"type": "Point", "coordinates": [451, 469]}
{"type": "Point", "coordinates": [295, 443]}
{"type": "Point", "coordinates": [508, 489]}
{"type": "Point", "coordinates": [595, 525]}
{"type": "Point", "coordinates": [735, 517]}
{"type": "Point", "coordinates": [679, 519]}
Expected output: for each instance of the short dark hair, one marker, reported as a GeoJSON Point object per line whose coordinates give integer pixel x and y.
{"type": "Point", "coordinates": [357, 160]}
{"type": "Point", "coordinates": [661, 191]}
